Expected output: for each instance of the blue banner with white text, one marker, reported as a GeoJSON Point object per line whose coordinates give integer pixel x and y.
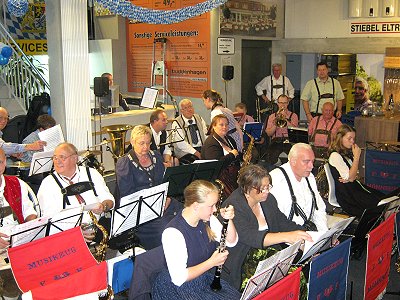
{"type": "Point", "coordinates": [328, 273]}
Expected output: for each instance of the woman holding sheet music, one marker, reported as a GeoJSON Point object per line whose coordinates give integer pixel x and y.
{"type": "Point", "coordinates": [139, 169]}
{"type": "Point", "coordinates": [353, 196]}
{"type": "Point", "coordinates": [258, 221]}
{"type": "Point", "coordinates": [190, 248]}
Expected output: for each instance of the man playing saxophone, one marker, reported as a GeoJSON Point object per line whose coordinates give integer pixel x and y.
{"type": "Point", "coordinates": [276, 129]}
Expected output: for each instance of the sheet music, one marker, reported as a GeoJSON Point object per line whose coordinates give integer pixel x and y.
{"type": "Point", "coordinates": [320, 237]}
{"type": "Point", "coordinates": [66, 219]}
{"type": "Point", "coordinates": [151, 203]}
{"type": "Point", "coordinates": [202, 161]}
{"type": "Point", "coordinates": [29, 231]}
{"type": "Point", "coordinates": [387, 200]}
{"type": "Point", "coordinates": [52, 136]}
{"type": "Point", "coordinates": [267, 273]}
{"type": "Point", "coordinates": [41, 162]}
{"type": "Point", "coordinates": [149, 97]}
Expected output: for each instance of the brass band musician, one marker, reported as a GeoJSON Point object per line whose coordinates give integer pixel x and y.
{"type": "Point", "coordinates": [320, 90]}
{"type": "Point", "coordinates": [276, 129]}
{"type": "Point", "coordinates": [189, 244]}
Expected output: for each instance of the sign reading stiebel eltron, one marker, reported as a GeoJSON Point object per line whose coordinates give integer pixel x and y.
{"type": "Point", "coordinates": [374, 27]}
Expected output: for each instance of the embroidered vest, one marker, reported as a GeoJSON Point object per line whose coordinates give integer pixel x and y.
{"type": "Point", "coordinates": [12, 194]}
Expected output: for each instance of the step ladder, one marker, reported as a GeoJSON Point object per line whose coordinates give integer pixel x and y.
{"type": "Point", "coordinates": [159, 71]}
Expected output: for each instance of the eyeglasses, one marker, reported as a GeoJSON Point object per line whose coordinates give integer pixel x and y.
{"type": "Point", "coordinates": [359, 88]}
{"type": "Point", "coordinates": [61, 157]}
{"type": "Point", "coordinates": [263, 189]}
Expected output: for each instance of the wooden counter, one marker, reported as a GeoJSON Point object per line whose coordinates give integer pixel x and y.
{"type": "Point", "coordinates": [376, 129]}
{"type": "Point", "coordinates": [131, 117]}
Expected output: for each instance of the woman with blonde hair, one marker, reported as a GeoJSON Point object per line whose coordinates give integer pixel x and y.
{"type": "Point", "coordinates": [190, 247]}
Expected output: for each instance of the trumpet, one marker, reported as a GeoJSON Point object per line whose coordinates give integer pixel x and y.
{"type": "Point", "coordinates": [280, 120]}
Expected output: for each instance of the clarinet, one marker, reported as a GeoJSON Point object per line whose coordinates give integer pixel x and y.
{"type": "Point", "coordinates": [216, 284]}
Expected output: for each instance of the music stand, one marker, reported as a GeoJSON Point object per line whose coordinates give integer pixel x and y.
{"type": "Point", "coordinates": [171, 138]}
{"type": "Point", "coordinates": [270, 270]}
{"type": "Point", "coordinates": [45, 226]}
{"type": "Point", "coordinates": [149, 97]}
{"type": "Point", "coordinates": [137, 209]}
{"type": "Point", "coordinates": [180, 177]}
{"type": "Point", "coordinates": [41, 162]}
{"type": "Point", "coordinates": [324, 240]}
{"type": "Point", "coordinates": [297, 135]}
{"type": "Point", "coordinates": [254, 129]}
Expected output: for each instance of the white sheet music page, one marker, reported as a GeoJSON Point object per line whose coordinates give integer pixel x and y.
{"type": "Point", "coordinates": [52, 136]}
{"type": "Point", "coordinates": [41, 162]}
{"type": "Point", "coordinates": [66, 219]}
{"type": "Point", "coordinates": [151, 202]}
{"type": "Point", "coordinates": [28, 231]}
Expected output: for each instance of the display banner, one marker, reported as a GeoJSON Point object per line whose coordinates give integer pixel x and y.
{"type": "Point", "coordinates": [186, 55]}
{"type": "Point", "coordinates": [379, 251]}
{"type": "Point", "coordinates": [51, 263]}
{"type": "Point", "coordinates": [382, 170]}
{"type": "Point", "coordinates": [328, 273]}
{"type": "Point", "coordinates": [398, 231]}
{"type": "Point", "coordinates": [286, 288]}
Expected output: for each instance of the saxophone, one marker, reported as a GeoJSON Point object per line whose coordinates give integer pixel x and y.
{"type": "Point", "coordinates": [100, 252]}
{"type": "Point", "coordinates": [248, 154]}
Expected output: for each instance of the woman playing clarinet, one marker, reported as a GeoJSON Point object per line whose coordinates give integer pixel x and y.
{"type": "Point", "coordinates": [190, 248]}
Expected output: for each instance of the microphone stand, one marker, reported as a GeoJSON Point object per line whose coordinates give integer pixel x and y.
{"type": "Point", "coordinates": [176, 107]}
{"type": "Point", "coordinates": [170, 144]}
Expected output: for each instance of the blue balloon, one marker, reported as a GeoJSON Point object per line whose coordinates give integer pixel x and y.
{"type": "Point", "coordinates": [6, 51]}
{"type": "Point", "coordinates": [3, 60]}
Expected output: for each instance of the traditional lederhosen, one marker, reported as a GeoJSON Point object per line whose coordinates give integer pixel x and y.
{"type": "Point", "coordinates": [324, 96]}
{"type": "Point", "coordinates": [296, 209]}
{"type": "Point", "coordinates": [322, 131]}
{"type": "Point", "coordinates": [64, 190]}
{"type": "Point", "coordinates": [278, 86]}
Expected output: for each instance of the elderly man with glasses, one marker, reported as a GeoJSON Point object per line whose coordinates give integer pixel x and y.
{"type": "Point", "coordinates": [53, 195]}
{"type": "Point", "coordinates": [191, 132]}
{"type": "Point", "coordinates": [295, 189]}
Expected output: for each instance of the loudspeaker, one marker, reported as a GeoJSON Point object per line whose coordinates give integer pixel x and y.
{"type": "Point", "coordinates": [227, 72]}
{"type": "Point", "coordinates": [101, 87]}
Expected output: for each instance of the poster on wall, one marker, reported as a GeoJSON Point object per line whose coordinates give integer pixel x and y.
{"type": "Point", "coordinates": [186, 49]}
{"type": "Point", "coordinates": [263, 18]}
{"type": "Point", "coordinates": [29, 30]}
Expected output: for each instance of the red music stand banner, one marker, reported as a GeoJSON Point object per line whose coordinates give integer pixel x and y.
{"type": "Point", "coordinates": [379, 251]}
{"type": "Point", "coordinates": [286, 288]}
{"type": "Point", "coordinates": [49, 265]}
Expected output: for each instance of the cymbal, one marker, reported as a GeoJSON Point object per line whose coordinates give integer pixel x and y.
{"type": "Point", "coordinates": [85, 153]}
{"type": "Point", "coordinates": [19, 164]}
